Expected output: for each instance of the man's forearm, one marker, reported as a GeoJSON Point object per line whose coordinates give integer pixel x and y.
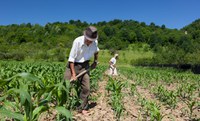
{"type": "Point", "coordinates": [71, 65]}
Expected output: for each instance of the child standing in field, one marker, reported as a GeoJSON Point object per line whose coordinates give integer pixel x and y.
{"type": "Point", "coordinates": [112, 65]}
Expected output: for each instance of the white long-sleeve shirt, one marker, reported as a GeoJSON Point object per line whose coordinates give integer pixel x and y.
{"type": "Point", "coordinates": [80, 52]}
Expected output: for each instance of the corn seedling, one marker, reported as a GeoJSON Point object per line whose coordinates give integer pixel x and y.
{"type": "Point", "coordinates": [115, 87]}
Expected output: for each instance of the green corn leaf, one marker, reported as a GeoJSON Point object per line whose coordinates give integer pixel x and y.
{"type": "Point", "coordinates": [3, 82]}
{"type": "Point", "coordinates": [37, 111]}
{"type": "Point", "coordinates": [46, 89]}
{"type": "Point", "coordinates": [6, 113]}
{"type": "Point", "coordinates": [3, 97]}
{"type": "Point", "coordinates": [64, 112]}
{"type": "Point", "coordinates": [9, 79]}
{"type": "Point", "coordinates": [46, 100]}
{"type": "Point", "coordinates": [24, 95]}
{"type": "Point", "coordinates": [24, 75]}
{"type": "Point", "coordinates": [31, 77]}
{"type": "Point", "coordinates": [21, 93]}
{"type": "Point", "coordinates": [11, 105]}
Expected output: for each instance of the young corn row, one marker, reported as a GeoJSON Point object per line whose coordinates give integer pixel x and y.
{"type": "Point", "coordinates": [29, 89]}
{"type": "Point", "coordinates": [186, 89]}
{"type": "Point", "coordinates": [114, 88]}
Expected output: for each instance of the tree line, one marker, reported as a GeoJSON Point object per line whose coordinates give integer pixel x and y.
{"type": "Point", "coordinates": [53, 41]}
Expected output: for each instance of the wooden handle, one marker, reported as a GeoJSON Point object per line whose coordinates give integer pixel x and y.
{"type": "Point", "coordinates": [80, 74]}
{"type": "Point", "coordinates": [83, 72]}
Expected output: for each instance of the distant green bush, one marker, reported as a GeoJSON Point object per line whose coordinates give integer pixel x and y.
{"type": "Point", "coordinates": [12, 56]}
{"type": "Point", "coordinates": [142, 62]}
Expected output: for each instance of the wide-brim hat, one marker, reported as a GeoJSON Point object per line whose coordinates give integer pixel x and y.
{"type": "Point", "coordinates": [116, 55]}
{"type": "Point", "coordinates": [91, 33]}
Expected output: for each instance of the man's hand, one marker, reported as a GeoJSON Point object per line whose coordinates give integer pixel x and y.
{"type": "Point", "coordinates": [73, 78]}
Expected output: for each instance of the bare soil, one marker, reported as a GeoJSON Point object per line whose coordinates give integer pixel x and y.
{"type": "Point", "coordinates": [102, 111]}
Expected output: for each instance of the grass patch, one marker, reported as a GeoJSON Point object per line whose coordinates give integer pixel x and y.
{"type": "Point", "coordinates": [125, 56]}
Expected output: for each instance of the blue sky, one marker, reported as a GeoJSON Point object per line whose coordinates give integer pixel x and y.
{"type": "Point", "coordinates": [171, 13]}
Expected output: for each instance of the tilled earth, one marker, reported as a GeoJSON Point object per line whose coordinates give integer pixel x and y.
{"type": "Point", "coordinates": [132, 110]}
{"type": "Point", "coordinates": [102, 111]}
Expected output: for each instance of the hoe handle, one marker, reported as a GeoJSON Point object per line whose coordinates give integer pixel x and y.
{"type": "Point", "coordinates": [83, 72]}
{"type": "Point", "coordinates": [80, 74]}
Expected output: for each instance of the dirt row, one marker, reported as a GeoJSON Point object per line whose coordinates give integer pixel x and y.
{"type": "Point", "coordinates": [133, 108]}
{"type": "Point", "coordinates": [101, 110]}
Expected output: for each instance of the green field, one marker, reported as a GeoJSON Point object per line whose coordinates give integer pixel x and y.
{"type": "Point", "coordinates": [31, 91]}
{"type": "Point", "coordinates": [125, 56]}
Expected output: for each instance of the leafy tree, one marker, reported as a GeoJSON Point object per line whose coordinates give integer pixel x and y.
{"type": "Point", "coordinates": [163, 27]}
{"type": "Point", "coordinates": [109, 31]}
{"type": "Point", "coordinates": [169, 45]}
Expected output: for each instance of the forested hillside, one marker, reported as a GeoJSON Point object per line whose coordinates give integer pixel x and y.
{"type": "Point", "coordinates": [53, 41]}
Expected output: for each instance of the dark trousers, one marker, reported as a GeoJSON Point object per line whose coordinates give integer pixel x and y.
{"type": "Point", "coordinates": [84, 79]}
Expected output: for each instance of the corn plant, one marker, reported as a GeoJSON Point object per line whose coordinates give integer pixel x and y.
{"type": "Point", "coordinates": [186, 90]}
{"type": "Point", "coordinates": [151, 109]}
{"type": "Point", "coordinates": [96, 75]}
{"type": "Point", "coordinates": [168, 97]}
{"type": "Point", "coordinates": [24, 101]}
{"type": "Point", "coordinates": [25, 109]}
{"type": "Point", "coordinates": [186, 94]}
{"type": "Point", "coordinates": [133, 89]}
{"type": "Point", "coordinates": [115, 87]}
{"type": "Point", "coordinates": [192, 105]}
